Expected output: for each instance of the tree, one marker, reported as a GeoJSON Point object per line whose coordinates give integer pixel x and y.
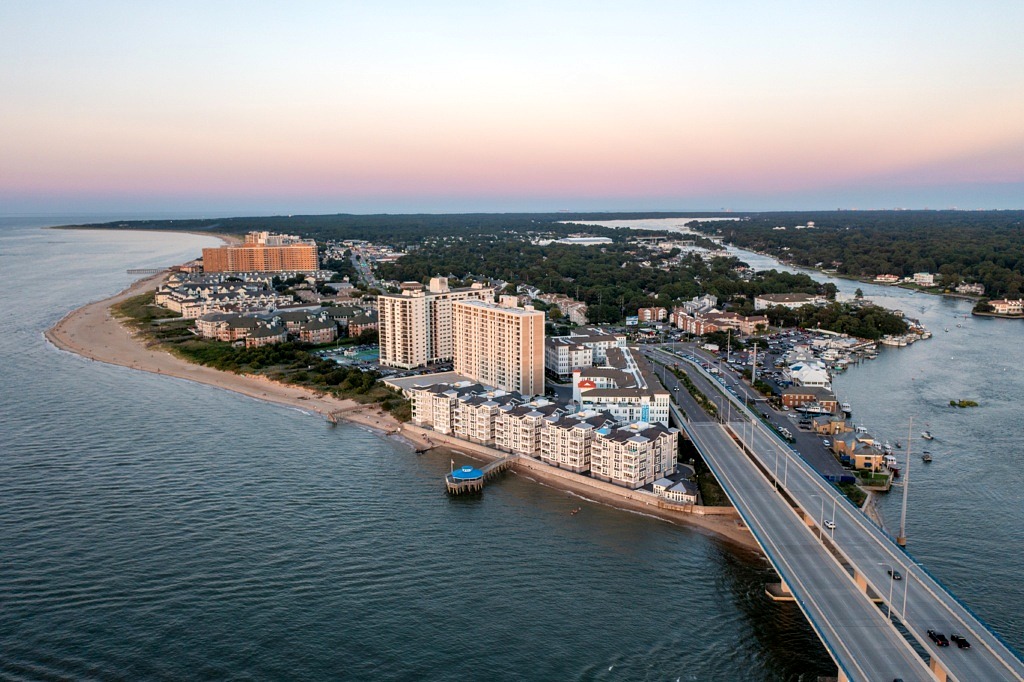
{"type": "Point", "coordinates": [859, 294]}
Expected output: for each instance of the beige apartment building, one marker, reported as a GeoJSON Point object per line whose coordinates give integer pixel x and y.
{"type": "Point", "coordinates": [415, 326]}
{"type": "Point", "coordinates": [499, 345]}
{"type": "Point", "coordinates": [264, 252]}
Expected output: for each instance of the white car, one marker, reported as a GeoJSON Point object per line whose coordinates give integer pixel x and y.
{"type": "Point", "coordinates": [826, 442]}
{"type": "Point", "coordinates": [830, 524]}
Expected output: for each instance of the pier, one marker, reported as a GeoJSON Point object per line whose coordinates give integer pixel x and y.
{"type": "Point", "coordinates": [469, 479]}
{"type": "Point", "coordinates": [145, 271]}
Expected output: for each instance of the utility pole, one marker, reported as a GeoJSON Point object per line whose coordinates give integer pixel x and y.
{"type": "Point", "coordinates": [753, 367]}
{"type": "Point", "coordinates": [901, 537]}
{"type": "Point", "coordinates": [728, 344]}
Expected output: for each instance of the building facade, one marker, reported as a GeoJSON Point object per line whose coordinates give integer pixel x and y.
{"type": "Point", "coordinates": [415, 326]}
{"type": "Point", "coordinates": [264, 252]}
{"type": "Point", "coordinates": [499, 345]}
{"type": "Point", "coordinates": [634, 455]}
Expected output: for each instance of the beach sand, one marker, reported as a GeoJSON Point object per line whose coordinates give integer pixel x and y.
{"type": "Point", "coordinates": [93, 332]}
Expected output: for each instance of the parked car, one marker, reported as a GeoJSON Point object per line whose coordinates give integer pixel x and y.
{"type": "Point", "coordinates": [826, 442]}
{"type": "Point", "coordinates": [938, 638]}
{"type": "Point", "coordinates": [894, 574]}
{"type": "Point", "coordinates": [960, 640]}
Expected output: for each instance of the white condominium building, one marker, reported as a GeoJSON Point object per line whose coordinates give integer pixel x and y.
{"type": "Point", "coordinates": [476, 415]}
{"type": "Point", "coordinates": [626, 388]}
{"type": "Point", "coordinates": [566, 440]}
{"type": "Point", "coordinates": [499, 345]}
{"type": "Point", "coordinates": [634, 455]}
{"type": "Point", "coordinates": [415, 326]}
{"type": "Point", "coordinates": [518, 428]}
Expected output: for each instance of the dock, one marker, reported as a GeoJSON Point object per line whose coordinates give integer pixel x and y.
{"type": "Point", "coordinates": [469, 479]}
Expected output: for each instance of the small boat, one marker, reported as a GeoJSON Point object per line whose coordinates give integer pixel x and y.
{"type": "Point", "coordinates": [575, 511]}
{"type": "Point", "coordinates": [898, 445]}
{"type": "Point", "coordinates": [927, 435]}
{"type": "Point", "coordinates": [926, 457]}
{"type": "Point", "coordinates": [847, 408]}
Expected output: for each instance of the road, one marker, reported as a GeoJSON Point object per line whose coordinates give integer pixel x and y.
{"type": "Point", "coordinates": [919, 601]}
{"type": "Point", "coordinates": [855, 631]}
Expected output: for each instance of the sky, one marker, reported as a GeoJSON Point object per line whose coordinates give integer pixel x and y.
{"type": "Point", "coordinates": [356, 107]}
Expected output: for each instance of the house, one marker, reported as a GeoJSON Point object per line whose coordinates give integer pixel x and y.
{"type": "Point", "coordinates": [924, 279]}
{"type": "Point", "coordinates": [652, 314]}
{"type": "Point", "coordinates": [791, 301]}
{"type": "Point", "coordinates": [363, 322]}
{"type": "Point", "coordinates": [799, 396]}
{"type": "Point", "coordinates": [887, 279]}
{"type": "Point", "coordinates": [680, 492]}
{"type": "Point", "coordinates": [1004, 306]}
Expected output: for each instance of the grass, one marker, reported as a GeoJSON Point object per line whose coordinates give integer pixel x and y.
{"type": "Point", "coordinates": [290, 363]}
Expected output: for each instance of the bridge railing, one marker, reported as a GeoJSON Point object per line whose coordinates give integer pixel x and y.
{"type": "Point", "coordinates": [805, 465]}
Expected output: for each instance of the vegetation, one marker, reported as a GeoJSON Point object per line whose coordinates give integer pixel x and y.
{"type": "Point", "coordinates": [962, 403]}
{"type": "Point", "coordinates": [291, 363]}
{"type": "Point", "coordinates": [701, 399]}
{"type": "Point", "coordinates": [975, 246]}
{"type": "Point", "coordinates": [141, 311]}
{"type": "Point", "coordinates": [853, 492]}
{"type": "Point", "coordinates": [866, 322]}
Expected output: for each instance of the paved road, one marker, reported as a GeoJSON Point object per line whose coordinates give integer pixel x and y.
{"type": "Point", "coordinates": [918, 600]}
{"type": "Point", "coordinates": [854, 630]}
{"type": "Point", "coordinates": [928, 605]}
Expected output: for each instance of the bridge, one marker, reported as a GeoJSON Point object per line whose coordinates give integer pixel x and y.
{"type": "Point", "coordinates": [836, 574]}
{"type": "Point", "coordinates": [145, 271]}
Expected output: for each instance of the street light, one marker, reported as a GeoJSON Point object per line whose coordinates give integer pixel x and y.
{"type": "Point", "coordinates": [892, 579]}
{"type": "Point", "coordinates": [821, 519]}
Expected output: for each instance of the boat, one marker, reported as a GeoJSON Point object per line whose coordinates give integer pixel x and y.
{"type": "Point", "coordinates": [926, 457]}
{"type": "Point", "coordinates": [575, 511]}
{"type": "Point", "coordinates": [847, 408]}
{"type": "Point", "coordinates": [898, 445]}
{"type": "Point", "coordinates": [886, 448]}
{"type": "Point", "coordinates": [927, 435]}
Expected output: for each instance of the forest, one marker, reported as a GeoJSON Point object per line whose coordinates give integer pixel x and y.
{"type": "Point", "coordinates": [612, 280]}
{"type": "Point", "coordinates": [962, 246]}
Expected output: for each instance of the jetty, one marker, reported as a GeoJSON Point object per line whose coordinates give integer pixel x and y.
{"type": "Point", "coordinates": [469, 479]}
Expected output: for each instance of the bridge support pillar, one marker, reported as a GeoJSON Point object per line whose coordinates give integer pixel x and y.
{"type": "Point", "coordinates": [862, 584]}
{"type": "Point", "coordinates": [938, 670]}
{"type": "Point", "coordinates": [841, 677]}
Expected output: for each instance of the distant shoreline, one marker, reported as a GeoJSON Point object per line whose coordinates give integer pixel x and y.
{"type": "Point", "coordinates": [93, 332]}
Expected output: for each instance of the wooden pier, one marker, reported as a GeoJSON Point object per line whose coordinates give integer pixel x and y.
{"type": "Point", "coordinates": [471, 480]}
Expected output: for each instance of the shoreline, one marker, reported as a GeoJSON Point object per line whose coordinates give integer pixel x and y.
{"type": "Point", "coordinates": [94, 333]}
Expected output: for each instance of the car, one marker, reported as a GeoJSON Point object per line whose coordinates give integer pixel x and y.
{"type": "Point", "coordinates": [676, 388]}
{"type": "Point", "coordinates": [938, 638]}
{"type": "Point", "coordinates": [895, 575]}
{"type": "Point", "coordinates": [826, 442]}
{"type": "Point", "coordinates": [960, 640]}
{"type": "Point", "coordinates": [830, 524]}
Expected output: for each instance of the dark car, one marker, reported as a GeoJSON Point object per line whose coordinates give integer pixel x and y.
{"type": "Point", "coordinates": [895, 574]}
{"type": "Point", "coordinates": [960, 640]}
{"type": "Point", "coordinates": [938, 638]}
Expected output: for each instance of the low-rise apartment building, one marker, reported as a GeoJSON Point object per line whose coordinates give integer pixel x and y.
{"type": "Point", "coordinates": [626, 387]}
{"type": "Point", "coordinates": [635, 455]}
{"type": "Point", "coordinates": [792, 301]}
{"type": "Point", "coordinates": [567, 439]}
{"type": "Point", "coordinates": [562, 356]}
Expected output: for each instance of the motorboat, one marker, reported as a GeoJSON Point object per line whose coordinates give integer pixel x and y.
{"type": "Point", "coordinates": [926, 457]}
{"type": "Point", "coordinates": [927, 435]}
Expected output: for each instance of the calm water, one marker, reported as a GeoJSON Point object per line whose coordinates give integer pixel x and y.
{"type": "Point", "coordinates": [152, 528]}
{"type": "Point", "coordinates": [965, 519]}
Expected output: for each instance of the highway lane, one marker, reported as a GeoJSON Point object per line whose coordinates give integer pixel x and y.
{"type": "Point", "coordinates": [871, 551]}
{"type": "Point", "coordinates": [854, 630]}
{"type": "Point", "coordinates": [928, 605]}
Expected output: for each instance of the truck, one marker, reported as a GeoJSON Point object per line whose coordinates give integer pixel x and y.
{"type": "Point", "coordinates": [713, 347]}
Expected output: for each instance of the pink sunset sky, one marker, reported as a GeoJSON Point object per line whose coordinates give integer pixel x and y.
{"type": "Point", "coordinates": [398, 106]}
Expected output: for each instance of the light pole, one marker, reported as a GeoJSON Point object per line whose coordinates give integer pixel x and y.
{"type": "Point", "coordinates": [821, 518]}
{"type": "Point", "coordinates": [892, 579]}
{"type": "Point", "coordinates": [901, 537]}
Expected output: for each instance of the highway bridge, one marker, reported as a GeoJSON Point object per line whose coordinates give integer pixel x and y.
{"type": "Point", "coordinates": [833, 573]}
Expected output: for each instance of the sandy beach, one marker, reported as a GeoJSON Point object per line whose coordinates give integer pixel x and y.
{"type": "Point", "coordinates": [93, 332]}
